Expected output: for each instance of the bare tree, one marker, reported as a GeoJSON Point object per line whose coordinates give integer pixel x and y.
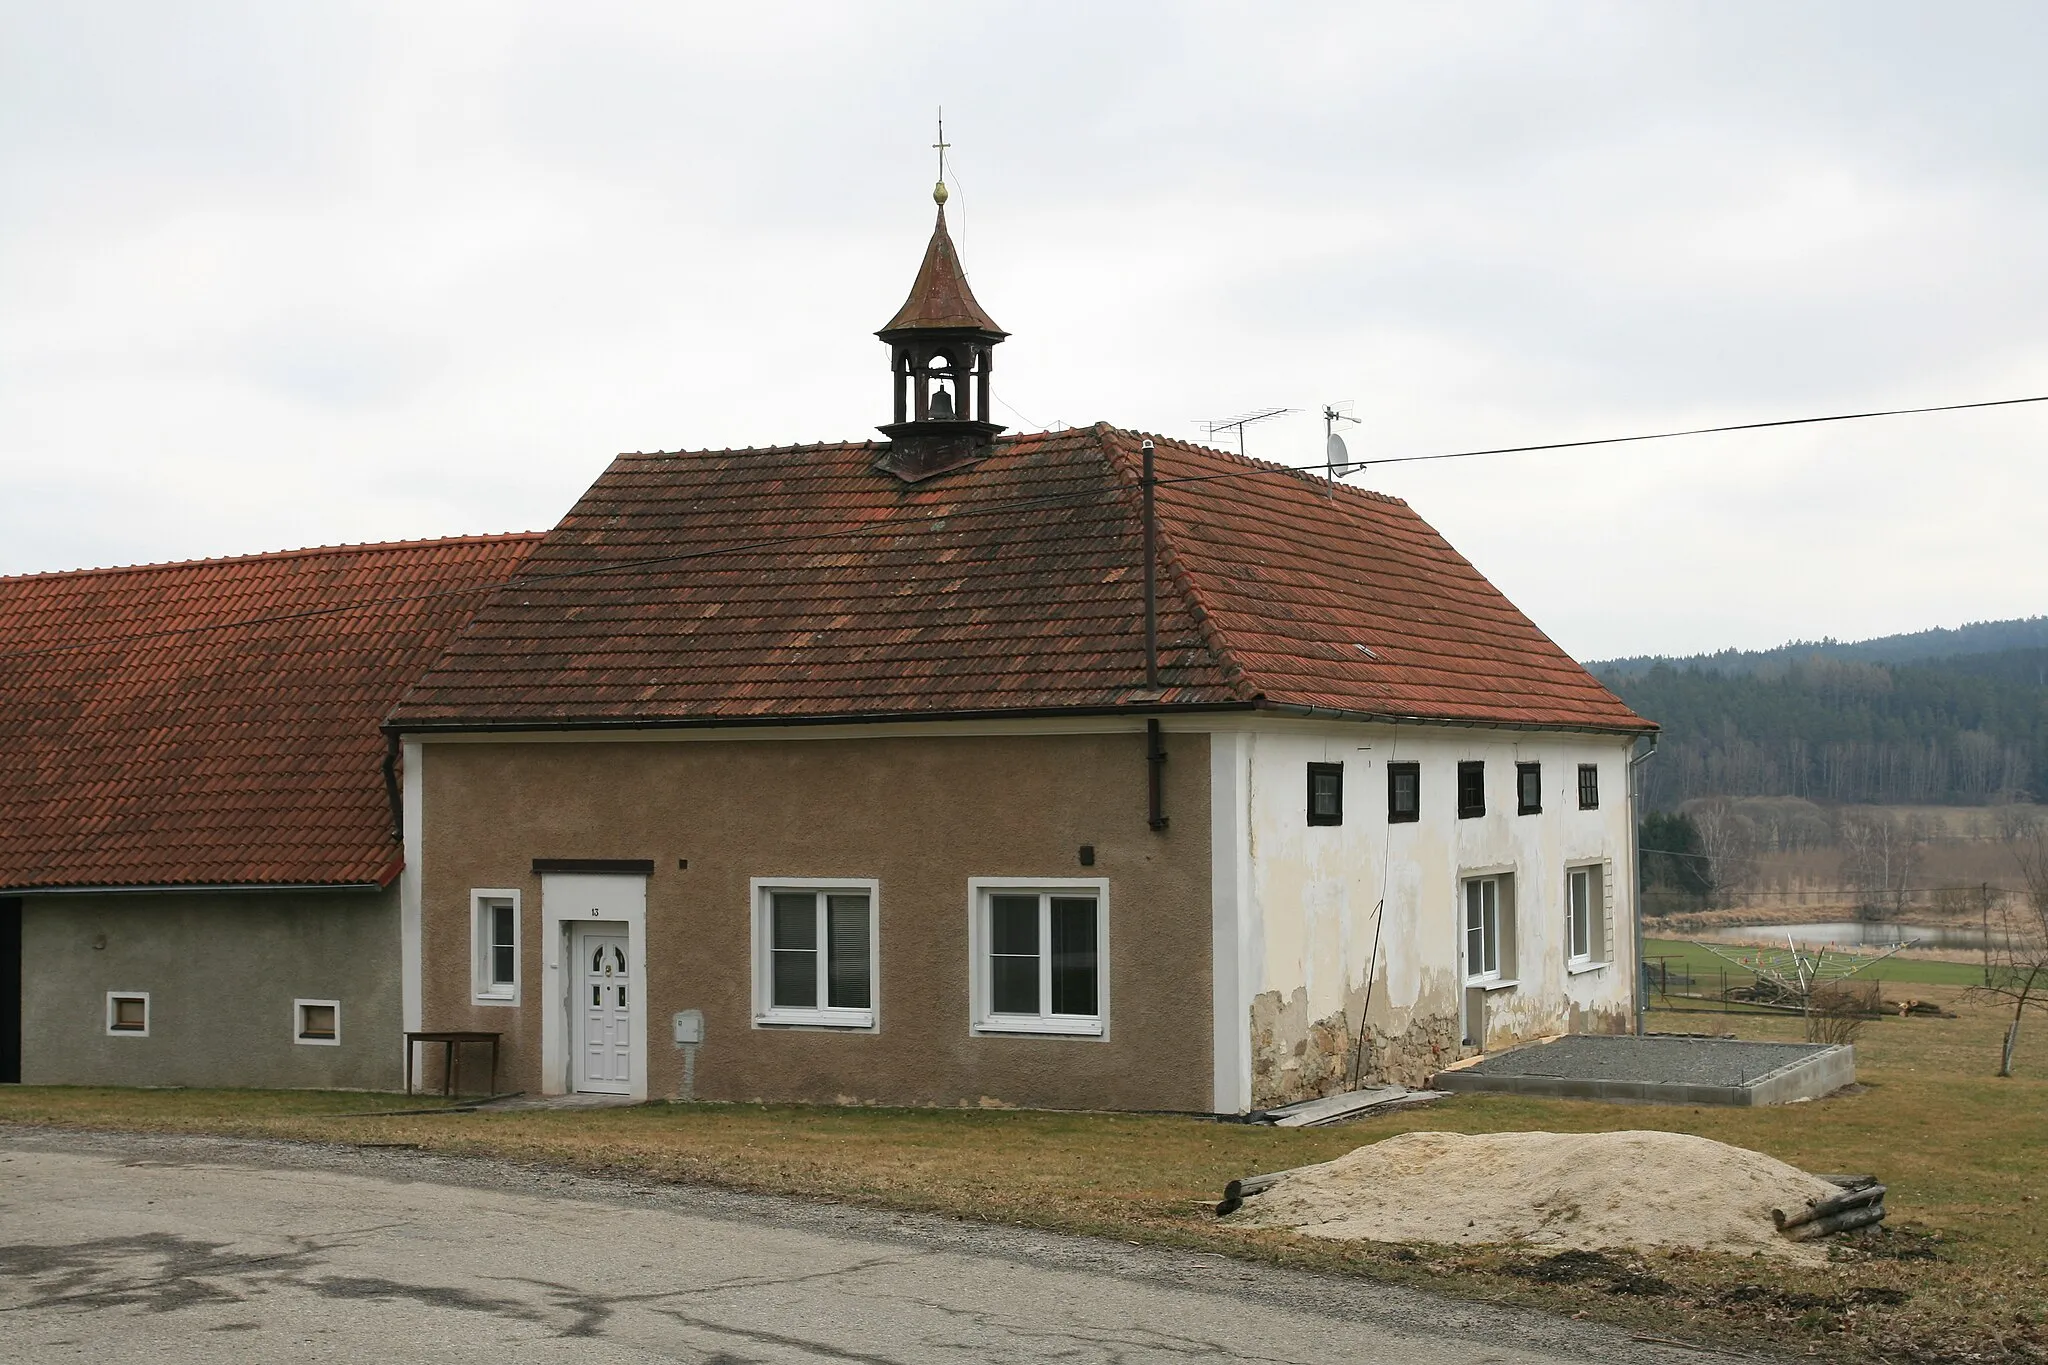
{"type": "Point", "coordinates": [1881, 853]}
{"type": "Point", "coordinates": [1728, 838]}
{"type": "Point", "coordinates": [2016, 947]}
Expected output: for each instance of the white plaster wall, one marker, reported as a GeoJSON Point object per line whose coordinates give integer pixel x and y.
{"type": "Point", "coordinates": [1309, 893]}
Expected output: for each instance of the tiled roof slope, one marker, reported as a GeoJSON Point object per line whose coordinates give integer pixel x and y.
{"type": "Point", "coordinates": [800, 583]}
{"type": "Point", "coordinates": [215, 722]}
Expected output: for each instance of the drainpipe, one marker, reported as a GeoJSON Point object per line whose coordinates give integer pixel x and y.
{"type": "Point", "coordinates": [1638, 997]}
{"type": "Point", "coordinates": [1147, 482]}
{"type": "Point", "coordinates": [1155, 773]}
{"type": "Point", "coordinates": [1155, 747]}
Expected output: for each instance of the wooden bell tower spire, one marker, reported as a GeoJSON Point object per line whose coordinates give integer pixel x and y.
{"type": "Point", "coordinates": [941, 344]}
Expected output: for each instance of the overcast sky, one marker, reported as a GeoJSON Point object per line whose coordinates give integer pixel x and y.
{"type": "Point", "coordinates": [274, 275]}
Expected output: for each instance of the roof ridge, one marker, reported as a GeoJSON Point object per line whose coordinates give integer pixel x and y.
{"type": "Point", "coordinates": [748, 450]}
{"type": "Point", "coordinates": [493, 538]}
{"type": "Point", "coordinates": [1176, 574]}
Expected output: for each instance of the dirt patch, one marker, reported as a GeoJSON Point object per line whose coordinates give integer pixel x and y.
{"type": "Point", "coordinates": [1560, 1191]}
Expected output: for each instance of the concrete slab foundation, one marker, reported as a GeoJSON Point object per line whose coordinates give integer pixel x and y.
{"type": "Point", "coordinates": [1661, 1070]}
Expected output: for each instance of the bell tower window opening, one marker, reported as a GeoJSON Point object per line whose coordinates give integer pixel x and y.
{"type": "Point", "coordinates": [942, 377]}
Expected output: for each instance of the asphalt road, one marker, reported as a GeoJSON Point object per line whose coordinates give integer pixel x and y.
{"type": "Point", "coordinates": [128, 1248]}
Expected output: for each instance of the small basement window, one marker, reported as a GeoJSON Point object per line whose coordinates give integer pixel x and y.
{"type": "Point", "coordinates": [1404, 792]}
{"type": "Point", "coordinates": [1589, 786]}
{"type": "Point", "coordinates": [1326, 793]}
{"type": "Point", "coordinates": [128, 1013]}
{"type": "Point", "coordinates": [1528, 789]}
{"type": "Point", "coordinates": [1471, 790]}
{"type": "Point", "coordinates": [317, 1021]}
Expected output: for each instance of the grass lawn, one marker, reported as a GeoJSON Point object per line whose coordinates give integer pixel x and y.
{"type": "Point", "coordinates": [1963, 1275]}
{"type": "Point", "coordinates": [1683, 953]}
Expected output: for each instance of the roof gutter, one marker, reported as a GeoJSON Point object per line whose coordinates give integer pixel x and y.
{"type": "Point", "coordinates": [1311, 712]}
{"type": "Point", "coordinates": [209, 889]}
{"type": "Point", "coordinates": [1145, 708]}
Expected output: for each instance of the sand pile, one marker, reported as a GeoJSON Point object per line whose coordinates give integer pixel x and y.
{"type": "Point", "coordinates": [1551, 1190]}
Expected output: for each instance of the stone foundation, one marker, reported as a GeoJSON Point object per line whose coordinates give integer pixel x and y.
{"type": "Point", "coordinates": [1296, 1058]}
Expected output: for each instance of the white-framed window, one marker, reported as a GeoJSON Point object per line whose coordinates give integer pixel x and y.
{"type": "Point", "coordinates": [816, 943]}
{"type": "Point", "coordinates": [1585, 913]}
{"type": "Point", "coordinates": [494, 946]}
{"type": "Point", "coordinates": [317, 1022]}
{"type": "Point", "coordinates": [1040, 955]}
{"type": "Point", "coordinates": [1489, 922]}
{"type": "Point", "coordinates": [128, 1014]}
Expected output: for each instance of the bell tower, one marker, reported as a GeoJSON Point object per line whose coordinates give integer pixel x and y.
{"type": "Point", "coordinates": [940, 347]}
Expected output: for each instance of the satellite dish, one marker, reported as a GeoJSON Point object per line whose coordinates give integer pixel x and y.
{"type": "Point", "coordinates": [1339, 457]}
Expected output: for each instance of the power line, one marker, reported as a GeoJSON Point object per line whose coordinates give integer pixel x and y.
{"type": "Point", "coordinates": [1356, 464]}
{"type": "Point", "coordinates": [888, 525]}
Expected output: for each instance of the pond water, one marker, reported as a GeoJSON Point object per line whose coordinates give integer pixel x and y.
{"type": "Point", "coordinates": [1854, 934]}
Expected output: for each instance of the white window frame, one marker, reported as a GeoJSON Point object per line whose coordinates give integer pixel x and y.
{"type": "Point", "coordinates": [299, 1018]}
{"type": "Point", "coordinates": [1501, 974]}
{"type": "Point", "coordinates": [148, 1016]}
{"type": "Point", "coordinates": [1596, 955]}
{"type": "Point", "coordinates": [483, 990]}
{"type": "Point", "coordinates": [983, 1021]}
{"type": "Point", "coordinates": [766, 1013]}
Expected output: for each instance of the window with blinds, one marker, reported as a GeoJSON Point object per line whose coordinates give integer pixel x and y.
{"type": "Point", "coordinates": [815, 954]}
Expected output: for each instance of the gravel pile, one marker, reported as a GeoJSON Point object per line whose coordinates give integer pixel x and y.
{"type": "Point", "coordinates": [1546, 1190]}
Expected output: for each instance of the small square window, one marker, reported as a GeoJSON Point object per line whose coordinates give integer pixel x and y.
{"type": "Point", "coordinates": [317, 1021]}
{"type": "Point", "coordinates": [1528, 789]}
{"type": "Point", "coordinates": [815, 944]}
{"type": "Point", "coordinates": [1404, 792]}
{"type": "Point", "coordinates": [1589, 786]}
{"type": "Point", "coordinates": [128, 1013]}
{"type": "Point", "coordinates": [1471, 790]}
{"type": "Point", "coordinates": [1326, 793]}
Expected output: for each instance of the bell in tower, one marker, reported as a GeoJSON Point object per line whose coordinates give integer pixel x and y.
{"type": "Point", "coordinates": [940, 343]}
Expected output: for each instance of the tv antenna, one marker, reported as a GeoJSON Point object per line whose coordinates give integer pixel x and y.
{"type": "Point", "coordinates": [1241, 421]}
{"type": "Point", "coordinates": [1335, 453]}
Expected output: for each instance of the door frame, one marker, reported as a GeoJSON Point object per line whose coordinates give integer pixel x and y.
{"type": "Point", "coordinates": [568, 898]}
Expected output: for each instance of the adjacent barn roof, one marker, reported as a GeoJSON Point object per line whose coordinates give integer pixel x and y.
{"type": "Point", "coordinates": [799, 583]}
{"type": "Point", "coordinates": [215, 722]}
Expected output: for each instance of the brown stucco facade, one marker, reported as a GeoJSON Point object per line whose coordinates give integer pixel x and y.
{"type": "Point", "coordinates": [920, 814]}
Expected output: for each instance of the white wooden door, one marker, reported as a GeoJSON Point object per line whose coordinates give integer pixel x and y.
{"type": "Point", "coordinates": [603, 1009]}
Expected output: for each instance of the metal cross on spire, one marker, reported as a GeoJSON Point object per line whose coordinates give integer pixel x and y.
{"type": "Point", "coordinates": [939, 188]}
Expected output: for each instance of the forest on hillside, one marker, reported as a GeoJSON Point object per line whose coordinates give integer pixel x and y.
{"type": "Point", "coordinates": [1970, 728]}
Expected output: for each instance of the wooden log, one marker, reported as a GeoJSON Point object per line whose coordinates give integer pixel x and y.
{"type": "Point", "coordinates": [1846, 1221]}
{"type": "Point", "coordinates": [1237, 1191]}
{"type": "Point", "coordinates": [1823, 1208]}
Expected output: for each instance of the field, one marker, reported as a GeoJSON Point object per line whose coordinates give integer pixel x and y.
{"type": "Point", "coordinates": [1899, 972]}
{"type": "Point", "coordinates": [1962, 1273]}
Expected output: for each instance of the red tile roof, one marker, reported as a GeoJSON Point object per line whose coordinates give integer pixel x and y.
{"type": "Point", "coordinates": [802, 583]}
{"type": "Point", "coordinates": [939, 297]}
{"type": "Point", "coordinates": [215, 722]}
